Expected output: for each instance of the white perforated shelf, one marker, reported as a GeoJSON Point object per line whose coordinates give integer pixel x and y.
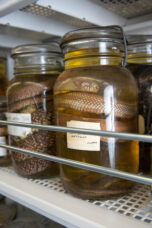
{"type": "Point", "coordinates": [40, 21]}
{"type": "Point", "coordinates": [137, 204]}
{"type": "Point", "coordinates": [128, 8]}
{"type": "Point", "coordinates": [49, 198]}
{"type": "Point", "coordinates": [48, 12]}
{"type": "Point", "coordinates": [124, 8]}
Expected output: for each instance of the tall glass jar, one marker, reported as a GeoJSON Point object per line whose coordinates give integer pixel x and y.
{"type": "Point", "coordinates": [140, 64]}
{"type": "Point", "coordinates": [96, 92]}
{"type": "Point", "coordinates": [3, 78]}
{"type": "Point", "coordinates": [4, 154]}
{"type": "Point", "coordinates": [30, 100]}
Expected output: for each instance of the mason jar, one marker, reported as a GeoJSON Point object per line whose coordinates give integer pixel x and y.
{"type": "Point", "coordinates": [3, 77]}
{"type": "Point", "coordinates": [96, 92]}
{"type": "Point", "coordinates": [5, 159]}
{"type": "Point", "coordinates": [30, 100]}
{"type": "Point", "coordinates": [140, 64]}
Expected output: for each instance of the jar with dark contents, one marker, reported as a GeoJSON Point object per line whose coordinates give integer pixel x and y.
{"type": "Point", "coordinates": [140, 64]}
{"type": "Point", "coordinates": [30, 100]}
{"type": "Point", "coordinates": [5, 159]}
{"type": "Point", "coordinates": [3, 77]}
{"type": "Point", "coordinates": [96, 92]}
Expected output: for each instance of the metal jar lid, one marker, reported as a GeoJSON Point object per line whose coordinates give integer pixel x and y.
{"type": "Point", "coordinates": [104, 33]}
{"type": "Point", "coordinates": [139, 44]}
{"type": "Point", "coordinates": [93, 36]}
{"type": "Point", "coordinates": [139, 39]}
{"type": "Point", "coordinates": [52, 47]}
{"type": "Point", "coordinates": [33, 58]}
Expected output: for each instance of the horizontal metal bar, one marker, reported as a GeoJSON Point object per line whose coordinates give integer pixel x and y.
{"type": "Point", "coordinates": [87, 166]}
{"type": "Point", "coordinates": [127, 136]}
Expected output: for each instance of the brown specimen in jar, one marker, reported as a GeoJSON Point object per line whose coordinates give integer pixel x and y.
{"type": "Point", "coordinates": [30, 99]}
{"type": "Point", "coordinates": [96, 92]}
{"type": "Point", "coordinates": [34, 98]}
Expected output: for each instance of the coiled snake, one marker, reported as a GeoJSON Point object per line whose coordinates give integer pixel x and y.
{"type": "Point", "coordinates": [113, 114]}
{"type": "Point", "coordinates": [83, 100]}
{"type": "Point", "coordinates": [35, 98]}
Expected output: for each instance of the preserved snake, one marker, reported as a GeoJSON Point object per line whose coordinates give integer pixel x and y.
{"type": "Point", "coordinates": [84, 102]}
{"type": "Point", "coordinates": [86, 99]}
{"type": "Point", "coordinates": [35, 98]}
{"type": "Point", "coordinates": [96, 92]}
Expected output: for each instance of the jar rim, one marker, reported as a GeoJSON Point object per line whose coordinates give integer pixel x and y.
{"type": "Point", "coordinates": [97, 32]}
{"type": "Point", "coordinates": [51, 47]}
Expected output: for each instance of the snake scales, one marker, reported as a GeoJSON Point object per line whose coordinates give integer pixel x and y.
{"type": "Point", "coordinates": [113, 115]}
{"type": "Point", "coordinates": [35, 98]}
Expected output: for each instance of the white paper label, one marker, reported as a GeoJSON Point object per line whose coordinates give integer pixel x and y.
{"type": "Point", "coordinates": [18, 117]}
{"type": "Point", "coordinates": [3, 151]}
{"type": "Point", "coordinates": [81, 141]}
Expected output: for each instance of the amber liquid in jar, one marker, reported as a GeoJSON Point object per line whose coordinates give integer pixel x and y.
{"type": "Point", "coordinates": [88, 95]}
{"type": "Point", "coordinates": [3, 78]}
{"type": "Point", "coordinates": [31, 96]}
{"type": "Point", "coordinates": [5, 159]}
{"type": "Point", "coordinates": [143, 75]}
{"type": "Point", "coordinates": [30, 100]}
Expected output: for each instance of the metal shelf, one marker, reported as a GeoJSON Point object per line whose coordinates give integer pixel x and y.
{"type": "Point", "coordinates": [34, 21]}
{"type": "Point", "coordinates": [49, 198]}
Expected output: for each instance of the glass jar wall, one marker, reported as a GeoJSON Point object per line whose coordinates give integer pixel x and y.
{"type": "Point", "coordinates": [96, 92]}
{"type": "Point", "coordinates": [5, 159]}
{"type": "Point", "coordinates": [4, 154]}
{"type": "Point", "coordinates": [3, 78]}
{"type": "Point", "coordinates": [30, 100]}
{"type": "Point", "coordinates": [140, 64]}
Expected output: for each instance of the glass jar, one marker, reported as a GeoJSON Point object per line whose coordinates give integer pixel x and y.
{"type": "Point", "coordinates": [140, 64]}
{"type": "Point", "coordinates": [96, 92]}
{"type": "Point", "coordinates": [3, 78]}
{"type": "Point", "coordinates": [30, 100]}
{"type": "Point", "coordinates": [4, 154]}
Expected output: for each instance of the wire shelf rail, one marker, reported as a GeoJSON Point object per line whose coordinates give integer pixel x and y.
{"type": "Point", "coordinates": [95, 168]}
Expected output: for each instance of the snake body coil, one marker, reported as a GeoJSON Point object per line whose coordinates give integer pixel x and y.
{"type": "Point", "coordinates": [35, 98]}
